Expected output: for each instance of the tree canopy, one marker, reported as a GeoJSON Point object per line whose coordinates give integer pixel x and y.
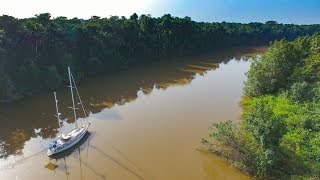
{"type": "Point", "coordinates": [279, 135]}
{"type": "Point", "coordinates": [34, 52]}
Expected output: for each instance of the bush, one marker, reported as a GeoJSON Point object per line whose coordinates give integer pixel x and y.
{"type": "Point", "coordinates": [300, 92]}
{"type": "Point", "coordinates": [228, 140]}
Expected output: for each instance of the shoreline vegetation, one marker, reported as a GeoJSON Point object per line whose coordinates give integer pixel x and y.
{"type": "Point", "coordinates": [34, 52]}
{"type": "Point", "coordinates": [279, 132]}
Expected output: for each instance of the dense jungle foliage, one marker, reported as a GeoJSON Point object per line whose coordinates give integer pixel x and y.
{"type": "Point", "coordinates": [34, 52]}
{"type": "Point", "coordinates": [279, 134]}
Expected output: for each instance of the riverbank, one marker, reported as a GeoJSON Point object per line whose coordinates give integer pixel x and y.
{"type": "Point", "coordinates": [36, 51]}
{"type": "Point", "coordinates": [279, 132]}
{"type": "Point", "coordinates": [145, 121]}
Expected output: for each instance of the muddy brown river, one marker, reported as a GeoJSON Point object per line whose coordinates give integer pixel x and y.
{"type": "Point", "coordinates": [146, 123]}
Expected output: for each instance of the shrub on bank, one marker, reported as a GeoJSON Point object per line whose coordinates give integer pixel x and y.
{"type": "Point", "coordinates": [279, 134]}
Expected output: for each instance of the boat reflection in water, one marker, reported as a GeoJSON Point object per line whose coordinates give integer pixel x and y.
{"type": "Point", "coordinates": [62, 155]}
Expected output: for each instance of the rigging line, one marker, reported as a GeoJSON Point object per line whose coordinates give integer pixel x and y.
{"type": "Point", "coordinates": [12, 165]}
{"type": "Point", "coordinates": [102, 176]}
{"type": "Point", "coordinates": [84, 111]}
{"type": "Point", "coordinates": [72, 98]}
{"type": "Point", "coordinates": [117, 162]}
{"type": "Point", "coordinates": [54, 169]}
{"type": "Point", "coordinates": [65, 166]}
{"type": "Point", "coordinates": [72, 85]}
{"type": "Point", "coordinates": [125, 157]}
{"type": "Point", "coordinates": [87, 155]}
{"type": "Point", "coordinates": [81, 177]}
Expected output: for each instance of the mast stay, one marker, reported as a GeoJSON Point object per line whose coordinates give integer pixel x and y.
{"type": "Point", "coordinates": [75, 86]}
{"type": "Point", "coordinates": [73, 106]}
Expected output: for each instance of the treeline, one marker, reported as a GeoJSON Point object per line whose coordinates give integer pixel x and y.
{"type": "Point", "coordinates": [279, 135]}
{"type": "Point", "coordinates": [35, 52]}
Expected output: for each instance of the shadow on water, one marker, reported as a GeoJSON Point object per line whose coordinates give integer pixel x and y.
{"type": "Point", "coordinates": [65, 154]}
{"type": "Point", "coordinates": [117, 162]}
{"type": "Point", "coordinates": [34, 116]}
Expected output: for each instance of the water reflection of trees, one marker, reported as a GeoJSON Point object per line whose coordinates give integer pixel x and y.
{"type": "Point", "coordinates": [19, 120]}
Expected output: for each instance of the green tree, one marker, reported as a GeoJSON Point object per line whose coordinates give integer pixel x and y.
{"type": "Point", "coordinates": [272, 72]}
{"type": "Point", "coordinates": [102, 45]}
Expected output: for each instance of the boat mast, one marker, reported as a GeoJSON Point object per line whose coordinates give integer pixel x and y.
{"type": "Point", "coordinates": [58, 114]}
{"type": "Point", "coordinates": [73, 106]}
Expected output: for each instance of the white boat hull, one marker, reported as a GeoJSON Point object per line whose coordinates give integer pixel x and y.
{"type": "Point", "coordinates": [61, 145]}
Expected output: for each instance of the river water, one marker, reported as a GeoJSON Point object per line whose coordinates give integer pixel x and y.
{"type": "Point", "coordinates": [146, 123]}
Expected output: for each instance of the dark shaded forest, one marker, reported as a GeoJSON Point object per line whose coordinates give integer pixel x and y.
{"type": "Point", "coordinates": [35, 52]}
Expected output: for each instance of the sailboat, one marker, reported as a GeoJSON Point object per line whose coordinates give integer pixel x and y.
{"type": "Point", "coordinates": [67, 140]}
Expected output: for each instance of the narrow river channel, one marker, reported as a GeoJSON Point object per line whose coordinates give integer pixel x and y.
{"type": "Point", "coordinates": [146, 123]}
